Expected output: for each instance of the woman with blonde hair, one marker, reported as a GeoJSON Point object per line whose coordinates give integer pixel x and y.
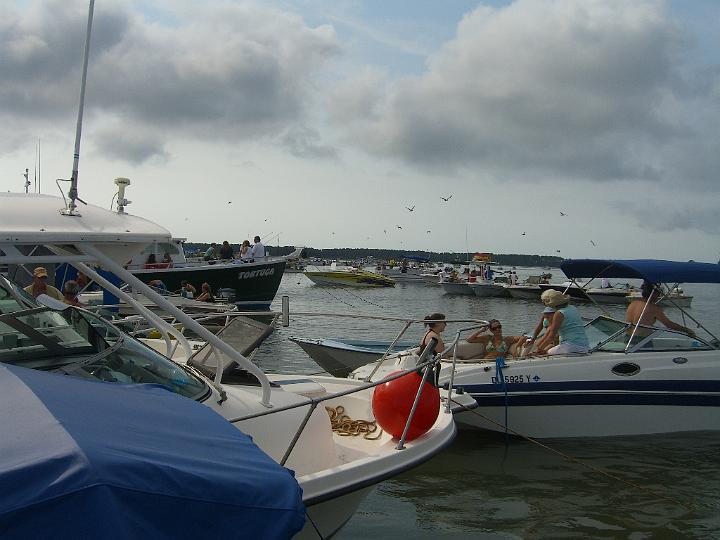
{"type": "Point", "coordinates": [567, 325]}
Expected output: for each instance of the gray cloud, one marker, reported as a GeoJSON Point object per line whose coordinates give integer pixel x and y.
{"type": "Point", "coordinates": [546, 89]}
{"type": "Point", "coordinates": [305, 142]}
{"type": "Point", "coordinates": [673, 215]}
{"type": "Point", "coordinates": [132, 145]}
{"type": "Point", "coordinates": [228, 71]}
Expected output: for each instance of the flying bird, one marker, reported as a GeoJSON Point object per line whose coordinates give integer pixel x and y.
{"type": "Point", "coordinates": [523, 234]}
{"type": "Point", "coordinates": [446, 199]}
{"type": "Point", "coordinates": [399, 227]}
{"type": "Point", "coordinates": [557, 251]}
{"type": "Point", "coordinates": [593, 243]}
{"type": "Point", "coordinates": [427, 232]}
{"type": "Point", "coordinates": [229, 202]}
{"type": "Point", "coordinates": [385, 231]}
{"type": "Point", "coordinates": [410, 208]}
{"type": "Point", "coordinates": [563, 214]}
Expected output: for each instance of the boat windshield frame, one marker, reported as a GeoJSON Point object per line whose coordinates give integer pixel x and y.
{"type": "Point", "coordinates": [77, 342]}
{"type": "Point", "coordinates": [646, 343]}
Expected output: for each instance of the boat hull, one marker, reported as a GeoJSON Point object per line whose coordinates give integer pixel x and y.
{"type": "Point", "coordinates": [457, 288]}
{"type": "Point", "coordinates": [607, 296]}
{"type": "Point", "coordinates": [254, 284]}
{"type": "Point", "coordinates": [581, 396]}
{"type": "Point", "coordinates": [340, 358]}
{"type": "Point", "coordinates": [574, 292]}
{"type": "Point", "coordinates": [486, 290]}
{"type": "Point", "coordinates": [522, 292]}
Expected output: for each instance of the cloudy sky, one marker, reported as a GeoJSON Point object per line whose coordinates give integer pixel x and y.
{"type": "Point", "coordinates": [320, 122]}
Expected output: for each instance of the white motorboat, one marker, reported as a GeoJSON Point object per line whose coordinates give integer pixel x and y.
{"type": "Point", "coordinates": [283, 417]}
{"type": "Point", "coordinates": [662, 382]}
{"type": "Point", "coordinates": [608, 295]}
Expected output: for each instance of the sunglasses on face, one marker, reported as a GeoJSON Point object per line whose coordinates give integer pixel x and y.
{"type": "Point", "coordinates": [496, 327]}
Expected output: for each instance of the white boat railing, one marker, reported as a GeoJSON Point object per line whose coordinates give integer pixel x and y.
{"type": "Point", "coordinates": [423, 364]}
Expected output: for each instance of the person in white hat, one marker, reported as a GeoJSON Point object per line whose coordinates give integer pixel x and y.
{"type": "Point", "coordinates": [566, 324]}
{"type": "Point", "coordinates": [39, 285]}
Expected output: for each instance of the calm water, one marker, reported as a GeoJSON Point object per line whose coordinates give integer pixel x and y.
{"type": "Point", "coordinates": [485, 486]}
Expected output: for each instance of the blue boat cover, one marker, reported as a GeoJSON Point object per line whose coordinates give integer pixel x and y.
{"type": "Point", "coordinates": [656, 271]}
{"type": "Point", "coordinates": [84, 459]}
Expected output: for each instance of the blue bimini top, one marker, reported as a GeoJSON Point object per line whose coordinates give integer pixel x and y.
{"type": "Point", "coordinates": [87, 459]}
{"type": "Point", "coordinates": [652, 270]}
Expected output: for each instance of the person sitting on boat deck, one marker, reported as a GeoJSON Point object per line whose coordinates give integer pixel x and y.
{"type": "Point", "coordinates": [226, 250]}
{"type": "Point", "coordinates": [436, 325]}
{"type": "Point", "coordinates": [39, 285]}
{"type": "Point", "coordinates": [495, 344]}
{"type": "Point", "coordinates": [187, 290]}
{"type": "Point", "coordinates": [167, 260]}
{"type": "Point", "coordinates": [646, 312]}
{"type": "Point", "coordinates": [211, 252]}
{"type": "Point", "coordinates": [206, 294]}
{"type": "Point", "coordinates": [566, 324]}
{"type": "Point", "coordinates": [258, 249]}
{"type": "Point", "coordinates": [71, 289]}
{"type": "Point", "coordinates": [472, 276]}
{"type": "Point", "coordinates": [540, 329]}
{"type": "Point", "coordinates": [454, 277]}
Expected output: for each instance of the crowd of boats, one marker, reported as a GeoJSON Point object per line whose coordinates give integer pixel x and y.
{"type": "Point", "coordinates": [483, 281]}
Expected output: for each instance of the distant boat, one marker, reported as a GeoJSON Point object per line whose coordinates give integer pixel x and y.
{"type": "Point", "coordinates": [347, 276]}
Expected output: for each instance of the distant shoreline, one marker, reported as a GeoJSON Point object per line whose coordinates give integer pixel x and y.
{"type": "Point", "coordinates": [503, 259]}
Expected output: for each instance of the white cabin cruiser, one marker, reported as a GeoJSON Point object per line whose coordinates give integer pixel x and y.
{"type": "Point", "coordinates": [634, 381]}
{"type": "Point", "coordinates": [285, 417]}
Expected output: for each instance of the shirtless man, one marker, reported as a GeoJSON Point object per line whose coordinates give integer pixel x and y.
{"type": "Point", "coordinates": [653, 313]}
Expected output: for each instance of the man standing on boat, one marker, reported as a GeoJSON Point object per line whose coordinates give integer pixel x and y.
{"type": "Point", "coordinates": [39, 285]}
{"type": "Point", "coordinates": [258, 250]}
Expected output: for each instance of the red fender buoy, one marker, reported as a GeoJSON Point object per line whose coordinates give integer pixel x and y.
{"type": "Point", "coordinates": [392, 401]}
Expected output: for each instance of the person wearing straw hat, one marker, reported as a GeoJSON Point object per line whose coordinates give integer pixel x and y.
{"type": "Point", "coordinates": [566, 324]}
{"type": "Point", "coordinates": [39, 285]}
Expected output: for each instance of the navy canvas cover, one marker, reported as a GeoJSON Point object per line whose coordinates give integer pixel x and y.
{"type": "Point", "coordinates": [656, 271]}
{"type": "Point", "coordinates": [86, 459]}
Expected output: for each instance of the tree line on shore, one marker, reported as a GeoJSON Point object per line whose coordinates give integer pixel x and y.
{"type": "Point", "coordinates": [348, 254]}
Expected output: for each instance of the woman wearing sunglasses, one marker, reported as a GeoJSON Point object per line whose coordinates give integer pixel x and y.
{"type": "Point", "coordinates": [495, 344]}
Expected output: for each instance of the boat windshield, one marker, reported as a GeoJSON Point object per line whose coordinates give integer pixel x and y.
{"type": "Point", "coordinates": [14, 298]}
{"type": "Point", "coordinates": [79, 343]}
{"type": "Point", "coordinates": [610, 335]}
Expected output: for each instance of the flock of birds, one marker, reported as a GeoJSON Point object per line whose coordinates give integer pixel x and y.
{"type": "Point", "coordinates": [446, 199]}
